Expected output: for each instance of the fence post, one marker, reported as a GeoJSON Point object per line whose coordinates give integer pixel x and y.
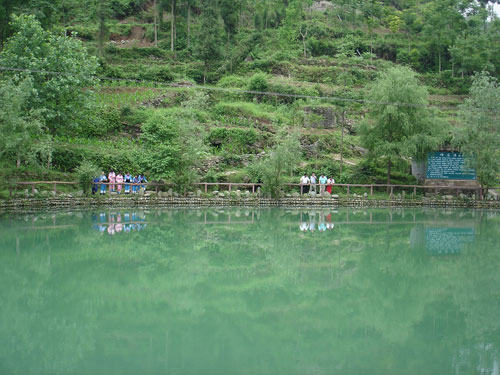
{"type": "Point", "coordinates": [414, 190]}
{"type": "Point", "coordinates": [301, 189]}
{"type": "Point", "coordinates": [33, 189]}
{"type": "Point", "coordinates": [253, 188]}
{"type": "Point", "coordinates": [55, 189]}
{"type": "Point", "coordinates": [206, 188]}
{"type": "Point", "coordinates": [371, 189]}
{"type": "Point", "coordinates": [392, 191]}
{"type": "Point", "coordinates": [230, 187]}
{"type": "Point", "coordinates": [348, 190]}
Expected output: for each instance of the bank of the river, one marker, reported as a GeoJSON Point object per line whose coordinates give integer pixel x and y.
{"type": "Point", "coordinates": [29, 204]}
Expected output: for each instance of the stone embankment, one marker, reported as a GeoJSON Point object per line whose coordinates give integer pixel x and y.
{"type": "Point", "coordinates": [30, 204]}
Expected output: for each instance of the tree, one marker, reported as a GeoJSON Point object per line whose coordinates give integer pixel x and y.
{"type": "Point", "coordinates": [480, 136]}
{"type": "Point", "coordinates": [174, 147]}
{"type": "Point", "coordinates": [21, 127]}
{"type": "Point", "coordinates": [60, 67]}
{"type": "Point", "coordinates": [443, 20]}
{"type": "Point", "coordinates": [86, 173]}
{"type": "Point", "coordinates": [399, 123]}
{"type": "Point", "coordinates": [102, 13]}
{"type": "Point", "coordinates": [294, 25]}
{"type": "Point", "coordinates": [282, 158]}
{"type": "Point", "coordinates": [230, 16]}
{"type": "Point", "coordinates": [471, 53]}
{"type": "Point", "coordinates": [209, 38]}
{"type": "Point", "coordinates": [172, 6]}
{"type": "Point", "coordinates": [7, 8]}
{"type": "Point", "coordinates": [189, 5]}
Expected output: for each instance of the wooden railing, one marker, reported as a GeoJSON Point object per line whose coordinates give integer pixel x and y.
{"type": "Point", "coordinates": [253, 186]}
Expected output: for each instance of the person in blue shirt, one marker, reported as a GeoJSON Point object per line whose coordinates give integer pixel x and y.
{"type": "Point", "coordinates": [322, 183]}
{"type": "Point", "coordinates": [103, 178]}
{"type": "Point", "coordinates": [127, 178]}
{"type": "Point", "coordinates": [142, 180]}
{"type": "Point", "coordinates": [95, 186]}
{"type": "Point", "coordinates": [136, 186]}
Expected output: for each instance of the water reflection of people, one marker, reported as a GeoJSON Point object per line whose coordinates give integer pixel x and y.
{"type": "Point", "coordinates": [112, 222]}
{"type": "Point", "coordinates": [304, 226]}
{"type": "Point", "coordinates": [308, 221]}
{"type": "Point", "coordinates": [322, 225]}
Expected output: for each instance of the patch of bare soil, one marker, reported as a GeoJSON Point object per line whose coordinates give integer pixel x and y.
{"type": "Point", "coordinates": [137, 38]}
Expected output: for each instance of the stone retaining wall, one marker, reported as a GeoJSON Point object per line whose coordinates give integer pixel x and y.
{"type": "Point", "coordinates": [29, 204]}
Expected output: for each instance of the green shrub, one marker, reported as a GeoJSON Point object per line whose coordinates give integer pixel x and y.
{"type": "Point", "coordinates": [156, 73]}
{"type": "Point", "coordinates": [105, 120]}
{"type": "Point", "coordinates": [86, 173]}
{"type": "Point", "coordinates": [258, 82]}
{"type": "Point", "coordinates": [67, 158]}
{"type": "Point", "coordinates": [373, 172]}
{"type": "Point", "coordinates": [233, 139]}
{"type": "Point", "coordinates": [122, 29]}
{"type": "Point", "coordinates": [136, 52]}
{"type": "Point", "coordinates": [194, 73]}
{"type": "Point", "coordinates": [83, 32]}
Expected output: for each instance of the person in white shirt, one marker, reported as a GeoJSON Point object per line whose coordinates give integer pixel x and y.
{"type": "Point", "coordinates": [313, 182]}
{"type": "Point", "coordinates": [329, 184]}
{"type": "Point", "coordinates": [304, 182]}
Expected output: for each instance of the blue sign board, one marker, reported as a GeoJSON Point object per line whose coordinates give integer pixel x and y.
{"type": "Point", "coordinates": [443, 165]}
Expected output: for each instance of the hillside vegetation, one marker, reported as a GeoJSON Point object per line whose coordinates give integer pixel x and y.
{"type": "Point", "coordinates": [209, 90]}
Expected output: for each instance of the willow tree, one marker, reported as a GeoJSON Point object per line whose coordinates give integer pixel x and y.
{"type": "Point", "coordinates": [399, 123]}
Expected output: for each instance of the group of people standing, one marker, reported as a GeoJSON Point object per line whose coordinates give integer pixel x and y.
{"type": "Point", "coordinates": [310, 183]}
{"type": "Point", "coordinates": [131, 184]}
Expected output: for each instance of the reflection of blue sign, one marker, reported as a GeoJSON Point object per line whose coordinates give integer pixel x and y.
{"type": "Point", "coordinates": [443, 241]}
{"type": "Point", "coordinates": [448, 166]}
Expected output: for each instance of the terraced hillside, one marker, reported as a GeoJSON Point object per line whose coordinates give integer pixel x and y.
{"type": "Point", "coordinates": [298, 69]}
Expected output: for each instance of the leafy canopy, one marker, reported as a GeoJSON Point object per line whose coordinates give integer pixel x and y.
{"type": "Point", "coordinates": [21, 127]}
{"type": "Point", "coordinates": [61, 91]}
{"type": "Point", "coordinates": [174, 147]}
{"type": "Point", "coordinates": [399, 123]}
{"type": "Point", "coordinates": [283, 157]}
{"type": "Point", "coordinates": [480, 136]}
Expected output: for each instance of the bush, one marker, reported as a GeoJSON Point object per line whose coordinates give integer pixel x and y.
{"type": "Point", "coordinates": [86, 172]}
{"type": "Point", "coordinates": [373, 172]}
{"type": "Point", "coordinates": [233, 139]}
{"type": "Point", "coordinates": [258, 82]}
{"type": "Point", "coordinates": [104, 121]}
{"type": "Point", "coordinates": [156, 73]}
{"type": "Point", "coordinates": [68, 158]}
{"type": "Point", "coordinates": [135, 52]}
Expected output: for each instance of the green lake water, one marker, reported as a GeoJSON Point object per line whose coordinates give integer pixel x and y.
{"type": "Point", "coordinates": [242, 291]}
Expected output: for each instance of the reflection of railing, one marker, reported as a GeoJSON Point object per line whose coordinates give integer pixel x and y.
{"type": "Point", "coordinates": [253, 186]}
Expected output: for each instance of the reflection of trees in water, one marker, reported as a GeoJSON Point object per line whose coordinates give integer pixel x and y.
{"type": "Point", "coordinates": [263, 296]}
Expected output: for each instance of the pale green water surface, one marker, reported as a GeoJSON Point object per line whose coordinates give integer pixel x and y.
{"type": "Point", "coordinates": [250, 292]}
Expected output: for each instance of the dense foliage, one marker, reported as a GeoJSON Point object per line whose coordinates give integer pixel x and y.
{"type": "Point", "coordinates": [480, 137]}
{"type": "Point", "coordinates": [402, 124]}
{"type": "Point", "coordinates": [106, 81]}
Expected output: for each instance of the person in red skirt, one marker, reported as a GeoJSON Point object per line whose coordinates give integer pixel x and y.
{"type": "Point", "coordinates": [329, 184]}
